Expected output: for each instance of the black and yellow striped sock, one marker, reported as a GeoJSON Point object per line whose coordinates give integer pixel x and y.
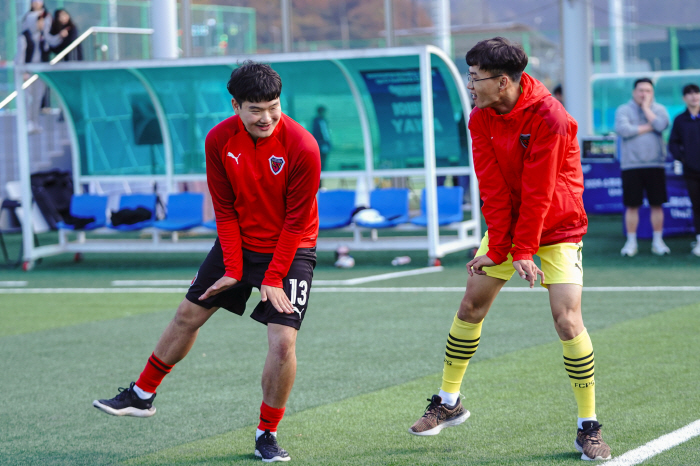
{"type": "Point", "coordinates": [462, 343]}
{"type": "Point", "coordinates": [579, 364]}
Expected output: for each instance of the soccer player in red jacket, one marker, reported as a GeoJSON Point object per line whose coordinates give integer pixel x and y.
{"type": "Point", "coordinates": [527, 162]}
{"type": "Point", "coordinates": [263, 171]}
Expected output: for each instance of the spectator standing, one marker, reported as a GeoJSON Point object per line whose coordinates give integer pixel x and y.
{"type": "Point", "coordinates": [32, 48]}
{"type": "Point", "coordinates": [639, 124]}
{"type": "Point", "coordinates": [684, 145]}
{"type": "Point", "coordinates": [63, 32]}
{"type": "Point", "coordinates": [558, 94]}
{"type": "Point", "coordinates": [322, 134]}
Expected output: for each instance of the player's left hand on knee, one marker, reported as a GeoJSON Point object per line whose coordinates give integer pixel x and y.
{"type": "Point", "coordinates": [529, 271]}
{"type": "Point", "coordinates": [277, 298]}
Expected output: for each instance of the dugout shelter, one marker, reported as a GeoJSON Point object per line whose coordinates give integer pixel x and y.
{"type": "Point", "coordinates": [395, 113]}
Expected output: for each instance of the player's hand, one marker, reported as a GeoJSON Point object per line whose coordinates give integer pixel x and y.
{"type": "Point", "coordinates": [475, 266]}
{"type": "Point", "coordinates": [529, 271]}
{"type": "Point", "coordinates": [222, 284]}
{"type": "Point", "coordinates": [278, 298]}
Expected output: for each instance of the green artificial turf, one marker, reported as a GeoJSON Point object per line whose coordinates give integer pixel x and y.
{"type": "Point", "coordinates": [367, 362]}
{"type": "Point", "coordinates": [522, 409]}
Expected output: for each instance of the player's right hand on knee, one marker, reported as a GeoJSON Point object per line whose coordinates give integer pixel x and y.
{"type": "Point", "coordinates": [222, 284]}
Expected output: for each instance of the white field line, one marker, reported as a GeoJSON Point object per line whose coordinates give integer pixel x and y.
{"type": "Point", "coordinates": [347, 282]}
{"type": "Point", "coordinates": [151, 282]}
{"type": "Point", "coordinates": [11, 283]}
{"type": "Point", "coordinates": [376, 278]}
{"type": "Point", "coordinates": [424, 289]}
{"type": "Point", "coordinates": [657, 446]}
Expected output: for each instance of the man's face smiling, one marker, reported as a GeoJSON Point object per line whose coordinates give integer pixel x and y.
{"type": "Point", "coordinates": [259, 118]}
{"type": "Point", "coordinates": [485, 92]}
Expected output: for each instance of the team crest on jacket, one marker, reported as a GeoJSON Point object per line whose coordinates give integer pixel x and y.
{"type": "Point", "coordinates": [525, 140]}
{"type": "Point", "coordinates": [276, 164]}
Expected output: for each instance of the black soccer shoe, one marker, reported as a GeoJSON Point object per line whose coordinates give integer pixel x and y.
{"type": "Point", "coordinates": [127, 403]}
{"type": "Point", "coordinates": [266, 448]}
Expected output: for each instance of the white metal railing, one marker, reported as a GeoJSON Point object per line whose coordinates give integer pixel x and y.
{"type": "Point", "coordinates": [72, 46]}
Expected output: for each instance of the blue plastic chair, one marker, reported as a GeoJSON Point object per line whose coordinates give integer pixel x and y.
{"type": "Point", "coordinates": [449, 204]}
{"type": "Point", "coordinates": [185, 211]}
{"type": "Point", "coordinates": [392, 204]}
{"type": "Point", "coordinates": [87, 205]}
{"type": "Point", "coordinates": [335, 208]}
{"type": "Point", "coordinates": [132, 201]}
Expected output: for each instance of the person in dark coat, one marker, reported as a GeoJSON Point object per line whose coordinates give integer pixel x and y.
{"type": "Point", "coordinates": [63, 32]}
{"type": "Point", "coordinates": [684, 145]}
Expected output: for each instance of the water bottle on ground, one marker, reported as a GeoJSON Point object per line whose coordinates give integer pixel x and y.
{"type": "Point", "coordinates": [401, 260]}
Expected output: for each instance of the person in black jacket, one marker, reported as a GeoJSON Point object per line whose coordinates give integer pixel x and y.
{"type": "Point", "coordinates": [63, 33]}
{"type": "Point", "coordinates": [684, 145]}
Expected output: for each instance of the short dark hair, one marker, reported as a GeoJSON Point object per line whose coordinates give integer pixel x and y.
{"type": "Point", "coordinates": [498, 56]}
{"type": "Point", "coordinates": [690, 88]}
{"type": "Point", "coordinates": [642, 80]}
{"type": "Point", "coordinates": [254, 82]}
{"type": "Point", "coordinates": [558, 90]}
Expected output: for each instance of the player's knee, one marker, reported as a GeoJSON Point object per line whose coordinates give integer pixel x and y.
{"type": "Point", "coordinates": [471, 311]}
{"type": "Point", "coordinates": [283, 350]}
{"type": "Point", "coordinates": [567, 323]}
{"type": "Point", "coordinates": [190, 315]}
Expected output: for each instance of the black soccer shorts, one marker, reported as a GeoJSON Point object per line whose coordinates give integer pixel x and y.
{"type": "Point", "coordinates": [297, 285]}
{"type": "Point", "coordinates": [637, 181]}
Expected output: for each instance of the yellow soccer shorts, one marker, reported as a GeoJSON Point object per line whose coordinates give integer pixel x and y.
{"type": "Point", "coordinates": [561, 263]}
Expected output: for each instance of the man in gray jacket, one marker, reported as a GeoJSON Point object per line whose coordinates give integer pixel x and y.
{"type": "Point", "coordinates": [639, 124]}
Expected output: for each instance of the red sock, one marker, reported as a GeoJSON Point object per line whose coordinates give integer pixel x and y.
{"type": "Point", "coordinates": [270, 417]}
{"type": "Point", "coordinates": [153, 374]}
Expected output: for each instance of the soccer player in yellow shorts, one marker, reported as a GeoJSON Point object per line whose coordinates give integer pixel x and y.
{"type": "Point", "coordinates": [527, 161]}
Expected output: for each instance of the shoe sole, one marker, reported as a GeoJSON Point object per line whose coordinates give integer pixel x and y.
{"type": "Point", "coordinates": [135, 412]}
{"type": "Point", "coordinates": [451, 423]}
{"type": "Point", "coordinates": [629, 254]}
{"type": "Point", "coordinates": [660, 253]}
{"type": "Point", "coordinates": [273, 459]}
{"type": "Point", "coordinates": [579, 448]}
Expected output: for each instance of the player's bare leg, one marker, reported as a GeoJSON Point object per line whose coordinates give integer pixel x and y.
{"type": "Point", "coordinates": [565, 300]}
{"type": "Point", "coordinates": [174, 344]}
{"type": "Point", "coordinates": [480, 294]}
{"type": "Point", "coordinates": [280, 365]}
{"type": "Point", "coordinates": [445, 409]}
{"type": "Point", "coordinates": [180, 334]}
{"type": "Point", "coordinates": [277, 381]}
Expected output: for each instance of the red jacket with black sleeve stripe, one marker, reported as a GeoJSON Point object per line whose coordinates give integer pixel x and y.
{"type": "Point", "coordinates": [264, 193]}
{"type": "Point", "coordinates": [528, 166]}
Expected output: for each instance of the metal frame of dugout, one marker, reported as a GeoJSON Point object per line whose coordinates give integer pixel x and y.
{"type": "Point", "coordinates": [437, 245]}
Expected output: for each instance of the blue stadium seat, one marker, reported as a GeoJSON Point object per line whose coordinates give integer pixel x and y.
{"type": "Point", "coordinates": [132, 201]}
{"type": "Point", "coordinates": [85, 206]}
{"type": "Point", "coordinates": [335, 208]}
{"type": "Point", "coordinates": [449, 204]}
{"type": "Point", "coordinates": [392, 204]}
{"type": "Point", "coordinates": [185, 211]}
{"type": "Point", "coordinates": [211, 224]}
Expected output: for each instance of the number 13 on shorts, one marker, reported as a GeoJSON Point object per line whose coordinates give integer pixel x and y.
{"type": "Point", "coordinates": [298, 292]}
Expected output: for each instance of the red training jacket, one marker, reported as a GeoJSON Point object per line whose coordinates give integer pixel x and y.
{"type": "Point", "coordinates": [264, 193]}
{"type": "Point", "coordinates": [529, 170]}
